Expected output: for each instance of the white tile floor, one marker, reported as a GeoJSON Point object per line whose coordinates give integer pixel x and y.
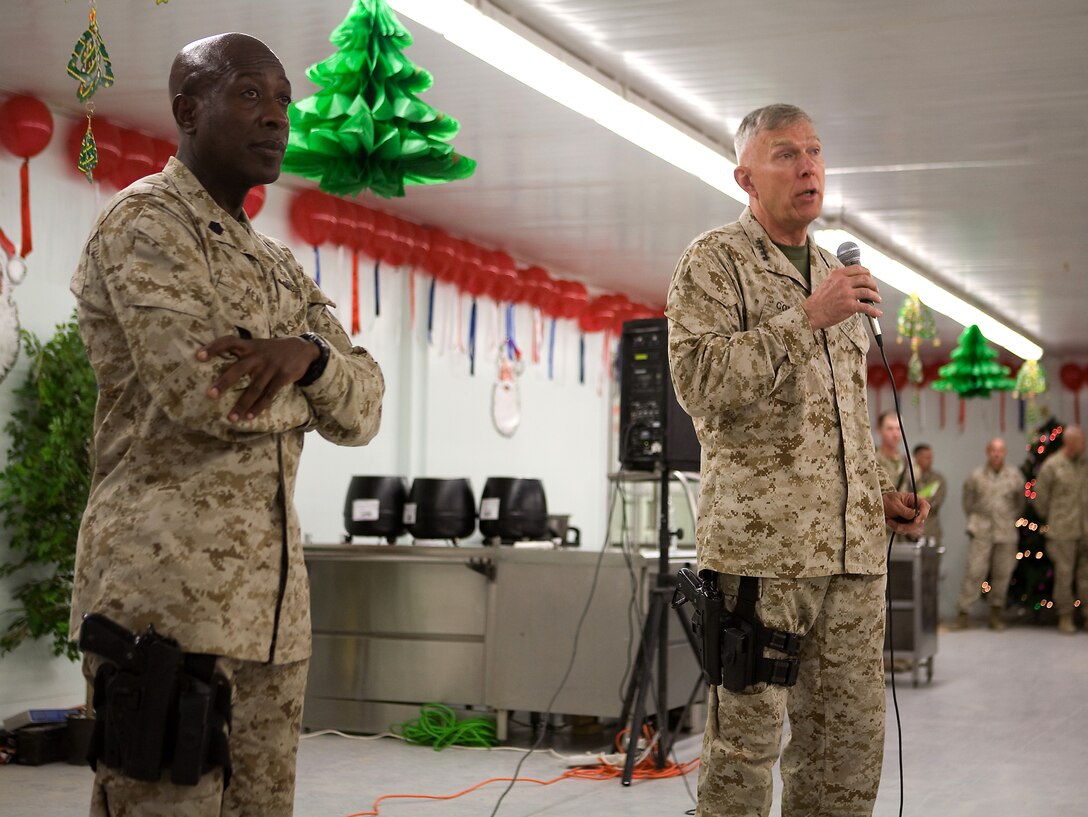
{"type": "Point", "coordinates": [1001, 732]}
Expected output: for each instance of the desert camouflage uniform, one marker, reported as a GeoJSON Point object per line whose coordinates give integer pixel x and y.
{"type": "Point", "coordinates": [190, 524]}
{"type": "Point", "coordinates": [993, 502]}
{"type": "Point", "coordinates": [791, 493]}
{"type": "Point", "coordinates": [1060, 491]}
{"type": "Point", "coordinates": [894, 467]}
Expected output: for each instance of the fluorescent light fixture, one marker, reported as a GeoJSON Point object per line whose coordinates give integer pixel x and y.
{"type": "Point", "coordinates": [903, 278]}
{"type": "Point", "coordinates": [497, 43]}
{"type": "Point", "coordinates": [479, 34]}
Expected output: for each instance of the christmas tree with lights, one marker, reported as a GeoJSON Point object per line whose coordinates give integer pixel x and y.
{"type": "Point", "coordinates": [1032, 582]}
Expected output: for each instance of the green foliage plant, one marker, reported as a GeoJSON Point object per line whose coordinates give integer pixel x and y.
{"type": "Point", "coordinates": [44, 486]}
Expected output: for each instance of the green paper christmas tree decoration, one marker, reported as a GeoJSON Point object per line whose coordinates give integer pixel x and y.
{"type": "Point", "coordinates": [973, 370]}
{"type": "Point", "coordinates": [366, 127]}
{"type": "Point", "coordinates": [916, 322]}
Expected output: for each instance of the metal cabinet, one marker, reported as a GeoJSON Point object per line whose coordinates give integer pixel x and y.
{"type": "Point", "coordinates": [395, 627]}
{"type": "Point", "coordinates": [913, 577]}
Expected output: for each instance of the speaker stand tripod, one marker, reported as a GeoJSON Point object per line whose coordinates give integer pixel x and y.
{"type": "Point", "coordinates": [654, 643]}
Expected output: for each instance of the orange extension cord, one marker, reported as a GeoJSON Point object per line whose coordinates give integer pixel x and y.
{"type": "Point", "coordinates": [646, 770]}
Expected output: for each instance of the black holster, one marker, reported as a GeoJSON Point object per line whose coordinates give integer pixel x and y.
{"type": "Point", "coordinates": [156, 707]}
{"type": "Point", "coordinates": [732, 642]}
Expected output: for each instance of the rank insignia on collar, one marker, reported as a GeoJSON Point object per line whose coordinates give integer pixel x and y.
{"type": "Point", "coordinates": [762, 250]}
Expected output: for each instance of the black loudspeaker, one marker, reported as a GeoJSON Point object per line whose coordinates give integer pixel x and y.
{"type": "Point", "coordinates": [513, 510]}
{"type": "Point", "coordinates": [440, 509]}
{"type": "Point", "coordinates": [654, 431]}
{"type": "Point", "coordinates": [374, 506]}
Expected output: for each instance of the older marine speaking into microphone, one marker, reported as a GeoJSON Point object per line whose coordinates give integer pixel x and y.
{"type": "Point", "coordinates": [767, 346]}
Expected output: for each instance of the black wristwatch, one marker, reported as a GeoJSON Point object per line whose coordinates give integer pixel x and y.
{"type": "Point", "coordinates": [317, 368]}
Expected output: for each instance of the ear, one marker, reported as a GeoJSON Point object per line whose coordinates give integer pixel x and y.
{"type": "Point", "coordinates": [744, 178]}
{"type": "Point", "coordinates": [185, 110]}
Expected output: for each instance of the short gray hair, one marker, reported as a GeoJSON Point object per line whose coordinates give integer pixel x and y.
{"type": "Point", "coordinates": [769, 117]}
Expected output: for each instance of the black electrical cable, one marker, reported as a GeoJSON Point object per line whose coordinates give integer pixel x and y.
{"type": "Point", "coordinates": [888, 586]}
{"type": "Point", "coordinates": [570, 665]}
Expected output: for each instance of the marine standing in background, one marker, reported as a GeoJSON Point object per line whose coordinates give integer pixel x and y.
{"type": "Point", "coordinates": [767, 348]}
{"type": "Point", "coordinates": [993, 499]}
{"type": "Point", "coordinates": [1060, 491]}
{"type": "Point", "coordinates": [933, 487]}
{"type": "Point", "coordinates": [214, 354]}
{"type": "Point", "coordinates": [890, 451]}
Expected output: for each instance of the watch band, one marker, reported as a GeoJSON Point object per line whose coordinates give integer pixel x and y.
{"type": "Point", "coordinates": [317, 368]}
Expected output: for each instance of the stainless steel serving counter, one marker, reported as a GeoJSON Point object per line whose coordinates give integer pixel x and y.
{"type": "Point", "coordinates": [488, 627]}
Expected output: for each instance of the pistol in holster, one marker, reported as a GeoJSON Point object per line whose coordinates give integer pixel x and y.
{"type": "Point", "coordinates": [156, 706]}
{"type": "Point", "coordinates": [732, 642]}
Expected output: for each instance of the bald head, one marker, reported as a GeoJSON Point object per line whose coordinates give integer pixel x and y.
{"type": "Point", "coordinates": [202, 62]}
{"type": "Point", "coordinates": [1073, 441]}
{"type": "Point", "coordinates": [995, 453]}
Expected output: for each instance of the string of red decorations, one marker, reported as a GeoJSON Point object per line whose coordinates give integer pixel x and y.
{"type": "Point", "coordinates": [319, 218]}
{"type": "Point", "coordinates": [1074, 377]}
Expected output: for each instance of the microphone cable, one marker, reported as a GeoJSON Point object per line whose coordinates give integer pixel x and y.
{"type": "Point", "coordinates": [888, 586]}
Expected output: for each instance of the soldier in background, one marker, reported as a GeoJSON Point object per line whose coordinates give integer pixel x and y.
{"type": "Point", "coordinates": [767, 345]}
{"type": "Point", "coordinates": [1060, 492]}
{"type": "Point", "coordinates": [993, 499]}
{"type": "Point", "coordinates": [214, 354]}
{"type": "Point", "coordinates": [890, 451]}
{"type": "Point", "coordinates": [933, 487]}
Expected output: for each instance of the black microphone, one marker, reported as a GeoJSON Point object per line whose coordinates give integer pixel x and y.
{"type": "Point", "coordinates": [849, 254]}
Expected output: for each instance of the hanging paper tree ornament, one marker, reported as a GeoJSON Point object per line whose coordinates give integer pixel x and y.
{"type": "Point", "coordinates": [1030, 382]}
{"type": "Point", "coordinates": [90, 65]}
{"type": "Point", "coordinates": [90, 61]}
{"type": "Point", "coordinates": [916, 323]}
{"type": "Point", "coordinates": [973, 370]}
{"type": "Point", "coordinates": [366, 128]}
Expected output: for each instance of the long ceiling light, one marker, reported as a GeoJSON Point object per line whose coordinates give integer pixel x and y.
{"type": "Point", "coordinates": [903, 278]}
{"type": "Point", "coordinates": [478, 31]}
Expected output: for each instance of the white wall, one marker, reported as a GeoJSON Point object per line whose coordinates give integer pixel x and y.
{"type": "Point", "coordinates": [436, 418]}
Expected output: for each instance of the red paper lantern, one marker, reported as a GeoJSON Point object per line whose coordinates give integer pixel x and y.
{"type": "Point", "coordinates": [877, 376]}
{"type": "Point", "coordinates": [1072, 376]}
{"type": "Point", "coordinates": [441, 255]}
{"type": "Point", "coordinates": [26, 126]}
{"type": "Point", "coordinates": [137, 159]}
{"type": "Point", "coordinates": [312, 216]}
{"type": "Point", "coordinates": [468, 273]}
{"type": "Point", "coordinates": [254, 201]}
{"type": "Point", "coordinates": [573, 300]}
{"type": "Point", "coordinates": [899, 374]}
{"type": "Point", "coordinates": [535, 285]}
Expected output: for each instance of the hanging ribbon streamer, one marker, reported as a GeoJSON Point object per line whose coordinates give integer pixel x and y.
{"type": "Point", "coordinates": [317, 266]}
{"type": "Point", "coordinates": [551, 351]}
{"type": "Point", "coordinates": [377, 289]}
{"type": "Point", "coordinates": [472, 339]}
{"type": "Point", "coordinates": [24, 204]}
{"type": "Point", "coordinates": [582, 358]}
{"type": "Point", "coordinates": [460, 322]}
{"type": "Point", "coordinates": [512, 350]}
{"type": "Point", "coordinates": [1001, 412]}
{"type": "Point", "coordinates": [412, 296]}
{"type": "Point", "coordinates": [356, 326]}
{"type": "Point", "coordinates": [941, 396]}
{"type": "Point", "coordinates": [430, 312]}
{"type": "Point", "coordinates": [6, 244]}
{"type": "Point", "coordinates": [606, 368]}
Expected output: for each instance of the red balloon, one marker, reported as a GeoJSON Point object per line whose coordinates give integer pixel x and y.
{"type": "Point", "coordinates": [877, 376]}
{"type": "Point", "coordinates": [26, 126]}
{"type": "Point", "coordinates": [899, 374]}
{"type": "Point", "coordinates": [1072, 376]}
{"type": "Point", "coordinates": [107, 140]}
{"type": "Point", "coordinates": [137, 158]}
{"type": "Point", "coordinates": [312, 216]}
{"type": "Point", "coordinates": [254, 201]}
